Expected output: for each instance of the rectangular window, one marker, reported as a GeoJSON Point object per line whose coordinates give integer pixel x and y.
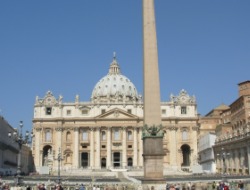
{"type": "Point", "coordinates": [116, 134]}
{"type": "Point", "coordinates": [103, 146]}
{"type": "Point", "coordinates": [129, 133]}
{"type": "Point", "coordinates": [163, 112]}
{"type": "Point", "coordinates": [103, 111]}
{"type": "Point", "coordinates": [84, 135]}
{"type": "Point", "coordinates": [103, 134]}
{"type": "Point", "coordinates": [68, 112]}
{"type": "Point", "coordinates": [85, 112]}
{"type": "Point", "coordinates": [129, 146]}
{"type": "Point", "coordinates": [48, 111]}
{"type": "Point", "coordinates": [183, 110]}
{"type": "Point", "coordinates": [129, 111]}
{"type": "Point", "coordinates": [47, 136]}
{"type": "Point", "coordinates": [184, 135]}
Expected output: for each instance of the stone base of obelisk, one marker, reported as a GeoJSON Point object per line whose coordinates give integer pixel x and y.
{"type": "Point", "coordinates": [153, 160]}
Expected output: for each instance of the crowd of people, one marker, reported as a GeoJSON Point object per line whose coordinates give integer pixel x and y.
{"type": "Point", "coordinates": [232, 185]}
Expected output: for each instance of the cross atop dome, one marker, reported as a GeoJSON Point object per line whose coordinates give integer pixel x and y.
{"type": "Point", "coordinates": [114, 66]}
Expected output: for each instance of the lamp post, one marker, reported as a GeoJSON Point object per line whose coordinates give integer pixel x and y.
{"type": "Point", "coordinates": [223, 155]}
{"type": "Point", "coordinates": [59, 159]}
{"type": "Point", "coordinates": [18, 137]}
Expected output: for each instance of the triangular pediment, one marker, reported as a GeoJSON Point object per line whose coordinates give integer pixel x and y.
{"type": "Point", "coordinates": [116, 113]}
{"type": "Point", "coordinates": [84, 108]}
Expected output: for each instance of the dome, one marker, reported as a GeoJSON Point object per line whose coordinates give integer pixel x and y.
{"type": "Point", "coordinates": [114, 87]}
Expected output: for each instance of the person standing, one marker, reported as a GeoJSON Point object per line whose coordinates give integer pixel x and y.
{"type": "Point", "coordinates": [82, 187]}
{"type": "Point", "coordinates": [214, 185]}
{"type": "Point", "coordinates": [241, 185]}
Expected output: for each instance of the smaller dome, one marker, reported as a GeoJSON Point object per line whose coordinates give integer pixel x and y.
{"type": "Point", "coordinates": [114, 87]}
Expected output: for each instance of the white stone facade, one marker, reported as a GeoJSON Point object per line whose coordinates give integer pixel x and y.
{"type": "Point", "coordinates": [106, 132]}
{"type": "Point", "coordinates": [206, 153]}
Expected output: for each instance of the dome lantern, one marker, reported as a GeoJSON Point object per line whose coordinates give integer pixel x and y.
{"type": "Point", "coordinates": [114, 67]}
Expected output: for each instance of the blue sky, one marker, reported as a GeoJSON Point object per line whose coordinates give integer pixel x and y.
{"type": "Point", "coordinates": [66, 47]}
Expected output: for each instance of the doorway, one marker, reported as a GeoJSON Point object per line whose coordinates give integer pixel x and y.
{"type": "Point", "coordinates": [116, 159]}
{"type": "Point", "coordinates": [186, 155]}
{"type": "Point", "coordinates": [103, 163]}
{"type": "Point", "coordinates": [85, 159]}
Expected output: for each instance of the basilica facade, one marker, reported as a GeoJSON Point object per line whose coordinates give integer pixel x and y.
{"type": "Point", "coordinates": [106, 132]}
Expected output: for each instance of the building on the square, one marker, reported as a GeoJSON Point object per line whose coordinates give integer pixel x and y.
{"type": "Point", "coordinates": [211, 120]}
{"type": "Point", "coordinates": [106, 132]}
{"type": "Point", "coordinates": [206, 152]}
{"type": "Point", "coordinates": [9, 152]}
{"type": "Point", "coordinates": [231, 147]}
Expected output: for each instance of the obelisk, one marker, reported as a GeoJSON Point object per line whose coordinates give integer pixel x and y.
{"type": "Point", "coordinates": [152, 139]}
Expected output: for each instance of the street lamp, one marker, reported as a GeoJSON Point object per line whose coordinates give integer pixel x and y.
{"type": "Point", "coordinates": [59, 159]}
{"type": "Point", "coordinates": [223, 155]}
{"type": "Point", "coordinates": [18, 137]}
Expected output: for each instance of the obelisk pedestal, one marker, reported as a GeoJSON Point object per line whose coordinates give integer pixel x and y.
{"type": "Point", "coordinates": [152, 154]}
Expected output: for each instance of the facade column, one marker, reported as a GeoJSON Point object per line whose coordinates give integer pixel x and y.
{"type": "Point", "coordinates": [230, 165]}
{"type": "Point", "coordinates": [233, 161]}
{"type": "Point", "coordinates": [41, 157]}
{"type": "Point", "coordinates": [124, 147]}
{"type": "Point", "coordinates": [91, 148]}
{"type": "Point", "coordinates": [173, 148]}
{"type": "Point", "coordinates": [194, 140]}
{"type": "Point", "coordinates": [237, 161]}
{"type": "Point", "coordinates": [242, 166]}
{"type": "Point", "coordinates": [135, 158]}
{"type": "Point", "coordinates": [98, 145]}
{"type": "Point", "coordinates": [217, 161]}
{"type": "Point", "coordinates": [59, 146]}
{"type": "Point", "coordinates": [76, 147]}
{"type": "Point", "coordinates": [37, 147]}
{"type": "Point", "coordinates": [108, 148]}
{"type": "Point", "coordinates": [140, 148]}
{"type": "Point", "coordinates": [248, 158]}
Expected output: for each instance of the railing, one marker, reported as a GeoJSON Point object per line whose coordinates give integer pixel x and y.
{"type": "Point", "coordinates": [230, 137]}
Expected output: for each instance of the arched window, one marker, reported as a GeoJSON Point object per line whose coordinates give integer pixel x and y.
{"type": "Point", "coordinates": [130, 162]}
{"type": "Point", "coordinates": [130, 138]}
{"type": "Point", "coordinates": [68, 136]}
{"type": "Point", "coordinates": [47, 135]}
{"type": "Point", "coordinates": [68, 158]}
